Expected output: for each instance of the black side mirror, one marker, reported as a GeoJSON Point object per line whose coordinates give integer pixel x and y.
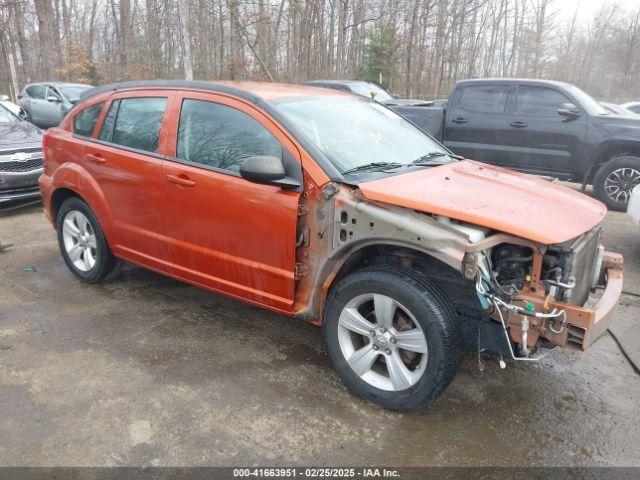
{"type": "Point", "coordinates": [23, 115]}
{"type": "Point", "coordinates": [569, 111]}
{"type": "Point", "coordinates": [267, 169]}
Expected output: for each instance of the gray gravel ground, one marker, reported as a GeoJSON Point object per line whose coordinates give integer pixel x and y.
{"type": "Point", "coordinates": [145, 370]}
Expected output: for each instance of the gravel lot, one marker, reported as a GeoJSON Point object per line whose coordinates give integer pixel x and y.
{"type": "Point", "coordinates": [145, 370]}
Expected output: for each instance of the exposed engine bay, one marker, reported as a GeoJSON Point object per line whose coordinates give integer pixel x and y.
{"type": "Point", "coordinates": [510, 277]}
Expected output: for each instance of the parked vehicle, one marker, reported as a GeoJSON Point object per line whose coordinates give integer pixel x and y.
{"type": "Point", "coordinates": [633, 210]}
{"type": "Point", "coordinates": [411, 109]}
{"type": "Point", "coordinates": [331, 208]}
{"type": "Point", "coordinates": [12, 107]}
{"type": "Point", "coordinates": [20, 159]}
{"type": "Point", "coordinates": [47, 103]}
{"type": "Point", "coordinates": [545, 128]}
{"type": "Point", "coordinates": [633, 106]}
{"type": "Point", "coordinates": [616, 109]}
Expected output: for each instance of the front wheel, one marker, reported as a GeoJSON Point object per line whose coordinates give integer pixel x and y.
{"type": "Point", "coordinates": [615, 180]}
{"type": "Point", "coordinates": [392, 336]}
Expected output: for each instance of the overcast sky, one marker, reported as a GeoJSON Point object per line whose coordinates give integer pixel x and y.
{"type": "Point", "coordinates": [587, 8]}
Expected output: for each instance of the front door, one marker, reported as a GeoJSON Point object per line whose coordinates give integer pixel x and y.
{"type": "Point", "coordinates": [224, 232]}
{"type": "Point", "coordinates": [126, 161]}
{"type": "Point", "coordinates": [541, 141]}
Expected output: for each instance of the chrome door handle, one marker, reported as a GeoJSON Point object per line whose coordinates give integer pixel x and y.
{"type": "Point", "coordinates": [459, 120]}
{"type": "Point", "coordinates": [518, 124]}
{"type": "Point", "coordinates": [182, 181]}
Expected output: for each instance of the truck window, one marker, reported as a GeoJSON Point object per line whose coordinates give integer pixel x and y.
{"type": "Point", "coordinates": [221, 137]}
{"type": "Point", "coordinates": [484, 98]}
{"type": "Point", "coordinates": [539, 101]}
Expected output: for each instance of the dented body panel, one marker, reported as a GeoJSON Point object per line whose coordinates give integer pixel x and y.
{"type": "Point", "coordinates": [493, 197]}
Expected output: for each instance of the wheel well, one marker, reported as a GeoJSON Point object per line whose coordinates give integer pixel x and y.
{"type": "Point", "coordinates": [457, 289]}
{"type": "Point", "coordinates": [394, 255]}
{"type": "Point", "coordinates": [57, 198]}
{"type": "Point", "coordinates": [610, 151]}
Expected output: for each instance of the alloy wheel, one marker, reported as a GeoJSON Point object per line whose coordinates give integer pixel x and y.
{"type": "Point", "coordinates": [382, 342]}
{"type": "Point", "coordinates": [620, 182]}
{"type": "Point", "coordinates": [79, 240]}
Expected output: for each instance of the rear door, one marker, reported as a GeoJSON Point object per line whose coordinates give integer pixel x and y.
{"type": "Point", "coordinates": [541, 141]}
{"type": "Point", "coordinates": [477, 122]}
{"type": "Point", "coordinates": [224, 232]}
{"type": "Point", "coordinates": [125, 159]}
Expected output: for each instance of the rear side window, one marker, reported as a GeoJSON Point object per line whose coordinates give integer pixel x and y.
{"type": "Point", "coordinates": [539, 101]}
{"type": "Point", "coordinates": [85, 121]}
{"type": "Point", "coordinates": [37, 91]}
{"type": "Point", "coordinates": [485, 98]}
{"type": "Point", "coordinates": [138, 123]}
{"type": "Point", "coordinates": [222, 137]}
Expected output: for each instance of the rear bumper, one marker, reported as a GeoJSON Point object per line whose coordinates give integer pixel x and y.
{"type": "Point", "coordinates": [44, 182]}
{"type": "Point", "coordinates": [583, 324]}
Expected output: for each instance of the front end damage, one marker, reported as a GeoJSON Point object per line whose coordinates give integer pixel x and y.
{"type": "Point", "coordinates": [514, 297]}
{"type": "Point", "coordinates": [551, 295]}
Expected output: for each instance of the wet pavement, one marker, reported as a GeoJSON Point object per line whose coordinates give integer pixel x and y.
{"type": "Point", "coordinates": [144, 370]}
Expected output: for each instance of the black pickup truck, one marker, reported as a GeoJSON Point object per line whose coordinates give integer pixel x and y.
{"type": "Point", "coordinates": [541, 127]}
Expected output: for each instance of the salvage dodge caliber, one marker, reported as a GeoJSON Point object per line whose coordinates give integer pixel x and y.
{"type": "Point", "coordinates": [330, 208]}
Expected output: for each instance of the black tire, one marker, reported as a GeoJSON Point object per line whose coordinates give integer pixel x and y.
{"type": "Point", "coordinates": [430, 308]}
{"type": "Point", "coordinates": [600, 179]}
{"type": "Point", "coordinates": [105, 262]}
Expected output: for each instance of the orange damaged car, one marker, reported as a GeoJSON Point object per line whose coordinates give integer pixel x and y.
{"type": "Point", "coordinates": [330, 208]}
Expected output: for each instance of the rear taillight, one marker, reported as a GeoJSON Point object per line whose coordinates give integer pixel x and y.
{"type": "Point", "coordinates": [19, 97]}
{"type": "Point", "coordinates": [45, 141]}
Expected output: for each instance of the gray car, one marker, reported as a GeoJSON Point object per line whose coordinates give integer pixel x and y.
{"type": "Point", "coordinates": [20, 159]}
{"type": "Point", "coordinates": [47, 103]}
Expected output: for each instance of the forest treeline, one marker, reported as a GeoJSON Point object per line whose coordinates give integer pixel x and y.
{"type": "Point", "coordinates": [416, 48]}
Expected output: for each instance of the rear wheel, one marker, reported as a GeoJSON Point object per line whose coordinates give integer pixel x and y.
{"type": "Point", "coordinates": [392, 336]}
{"type": "Point", "coordinates": [82, 242]}
{"type": "Point", "coordinates": [616, 179]}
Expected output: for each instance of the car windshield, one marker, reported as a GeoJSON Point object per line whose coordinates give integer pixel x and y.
{"type": "Point", "coordinates": [590, 104]}
{"type": "Point", "coordinates": [6, 116]}
{"type": "Point", "coordinates": [354, 133]}
{"type": "Point", "coordinates": [73, 92]}
{"type": "Point", "coordinates": [371, 90]}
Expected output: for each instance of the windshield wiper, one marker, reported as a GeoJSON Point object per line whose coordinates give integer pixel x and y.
{"type": "Point", "coordinates": [428, 158]}
{"type": "Point", "coordinates": [372, 166]}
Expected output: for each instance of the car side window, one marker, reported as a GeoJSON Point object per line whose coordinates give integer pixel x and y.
{"type": "Point", "coordinates": [52, 92]}
{"type": "Point", "coordinates": [137, 123]}
{"type": "Point", "coordinates": [539, 101]}
{"type": "Point", "coordinates": [485, 98]}
{"type": "Point", "coordinates": [37, 91]}
{"type": "Point", "coordinates": [222, 137]}
{"type": "Point", "coordinates": [85, 121]}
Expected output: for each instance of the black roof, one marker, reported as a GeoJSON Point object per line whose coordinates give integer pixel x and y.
{"type": "Point", "coordinates": [533, 81]}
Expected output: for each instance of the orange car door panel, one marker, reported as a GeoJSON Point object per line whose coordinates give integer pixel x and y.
{"type": "Point", "coordinates": [224, 232]}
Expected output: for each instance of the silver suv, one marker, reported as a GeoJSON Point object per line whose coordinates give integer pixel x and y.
{"type": "Point", "coordinates": [47, 103]}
